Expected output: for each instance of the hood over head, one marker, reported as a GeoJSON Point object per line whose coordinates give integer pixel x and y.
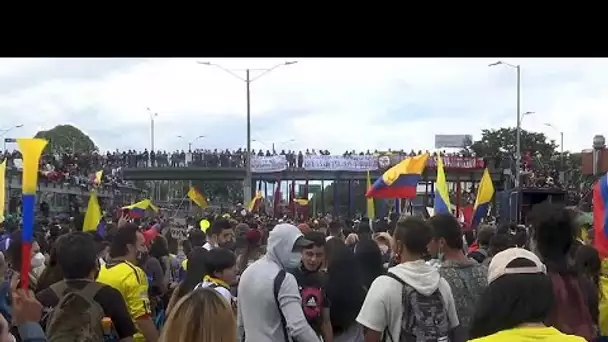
{"type": "Point", "coordinates": [419, 275]}
{"type": "Point", "coordinates": [281, 241]}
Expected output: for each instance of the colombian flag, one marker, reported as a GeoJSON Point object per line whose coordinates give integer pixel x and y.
{"type": "Point", "coordinates": [137, 210]}
{"type": "Point", "coordinates": [600, 216]}
{"type": "Point", "coordinates": [484, 196]}
{"type": "Point", "coordinates": [442, 195]}
{"type": "Point", "coordinates": [401, 180]}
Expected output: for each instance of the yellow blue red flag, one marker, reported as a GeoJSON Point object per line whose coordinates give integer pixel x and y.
{"type": "Point", "coordinates": [441, 204]}
{"type": "Point", "coordinates": [139, 209]}
{"type": "Point", "coordinates": [401, 180]}
{"type": "Point", "coordinates": [484, 197]}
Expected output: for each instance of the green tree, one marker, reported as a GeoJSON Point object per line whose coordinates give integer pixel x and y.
{"type": "Point", "coordinates": [500, 144]}
{"type": "Point", "coordinates": [67, 138]}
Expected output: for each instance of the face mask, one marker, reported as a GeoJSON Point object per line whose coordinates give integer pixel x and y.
{"type": "Point", "coordinates": [38, 260]}
{"type": "Point", "coordinates": [294, 260]}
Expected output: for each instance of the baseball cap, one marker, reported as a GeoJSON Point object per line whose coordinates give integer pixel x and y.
{"type": "Point", "coordinates": [302, 242]}
{"type": "Point", "coordinates": [500, 262]}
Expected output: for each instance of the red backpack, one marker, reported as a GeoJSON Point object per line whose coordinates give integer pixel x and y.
{"type": "Point", "coordinates": [312, 302]}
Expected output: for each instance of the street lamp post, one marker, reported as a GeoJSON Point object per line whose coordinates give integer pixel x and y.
{"type": "Point", "coordinates": [247, 193]}
{"type": "Point", "coordinates": [518, 129]}
{"type": "Point", "coordinates": [191, 142]}
{"type": "Point", "coordinates": [273, 143]}
{"type": "Point", "coordinates": [152, 117]}
{"type": "Point", "coordinates": [561, 145]}
{"type": "Point", "coordinates": [5, 132]}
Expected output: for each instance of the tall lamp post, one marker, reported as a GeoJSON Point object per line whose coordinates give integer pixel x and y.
{"type": "Point", "coordinates": [273, 143]}
{"type": "Point", "coordinates": [561, 145]}
{"type": "Point", "coordinates": [518, 129]}
{"type": "Point", "coordinates": [247, 186]}
{"type": "Point", "coordinates": [4, 132]}
{"type": "Point", "coordinates": [153, 116]}
{"type": "Point", "coordinates": [191, 142]}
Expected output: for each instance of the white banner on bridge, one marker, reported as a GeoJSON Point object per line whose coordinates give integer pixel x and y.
{"type": "Point", "coordinates": [340, 163]}
{"type": "Point", "coordinates": [264, 164]}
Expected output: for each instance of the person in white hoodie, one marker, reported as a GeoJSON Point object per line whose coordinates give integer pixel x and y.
{"type": "Point", "coordinates": [382, 310]}
{"type": "Point", "coordinates": [262, 316]}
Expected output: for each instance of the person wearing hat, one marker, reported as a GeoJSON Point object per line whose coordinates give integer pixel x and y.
{"type": "Point", "coordinates": [270, 307]}
{"type": "Point", "coordinates": [518, 300]}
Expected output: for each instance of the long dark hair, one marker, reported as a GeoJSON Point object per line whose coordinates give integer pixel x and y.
{"type": "Point", "coordinates": [345, 288]}
{"type": "Point", "coordinates": [369, 261]}
{"type": "Point", "coordinates": [512, 300]}
{"type": "Point", "coordinates": [194, 274]}
{"type": "Point", "coordinates": [52, 273]}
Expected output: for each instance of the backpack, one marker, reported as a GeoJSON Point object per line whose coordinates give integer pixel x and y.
{"type": "Point", "coordinates": [479, 255]}
{"type": "Point", "coordinates": [278, 281]}
{"type": "Point", "coordinates": [312, 303]}
{"type": "Point", "coordinates": [77, 317]}
{"type": "Point", "coordinates": [425, 318]}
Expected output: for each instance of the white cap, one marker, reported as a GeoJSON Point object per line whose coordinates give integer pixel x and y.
{"type": "Point", "coordinates": [498, 265]}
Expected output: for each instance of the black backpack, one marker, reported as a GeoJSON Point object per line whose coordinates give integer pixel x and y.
{"type": "Point", "coordinates": [425, 318]}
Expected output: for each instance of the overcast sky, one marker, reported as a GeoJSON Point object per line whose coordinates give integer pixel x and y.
{"type": "Point", "coordinates": [334, 104]}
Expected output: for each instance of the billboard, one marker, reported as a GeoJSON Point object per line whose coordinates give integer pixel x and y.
{"type": "Point", "coordinates": [452, 140]}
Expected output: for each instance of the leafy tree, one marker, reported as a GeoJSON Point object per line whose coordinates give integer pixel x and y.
{"type": "Point", "coordinates": [501, 144]}
{"type": "Point", "coordinates": [67, 138]}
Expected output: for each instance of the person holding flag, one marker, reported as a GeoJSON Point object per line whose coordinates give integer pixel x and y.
{"type": "Point", "coordinates": [485, 192]}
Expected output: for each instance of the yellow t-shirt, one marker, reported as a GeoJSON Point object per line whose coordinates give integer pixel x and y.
{"type": "Point", "coordinates": [185, 265]}
{"type": "Point", "coordinates": [530, 334]}
{"type": "Point", "coordinates": [132, 283]}
{"type": "Point", "coordinates": [603, 287]}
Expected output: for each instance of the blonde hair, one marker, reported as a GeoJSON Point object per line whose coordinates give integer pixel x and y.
{"type": "Point", "coordinates": [203, 315]}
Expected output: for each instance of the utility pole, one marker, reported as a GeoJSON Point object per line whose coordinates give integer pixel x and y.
{"type": "Point", "coordinates": [247, 186]}
{"type": "Point", "coordinates": [247, 191]}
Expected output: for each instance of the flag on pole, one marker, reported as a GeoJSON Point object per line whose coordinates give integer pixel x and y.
{"type": "Point", "coordinates": [441, 203]}
{"type": "Point", "coordinates": [401, 180]}
{"type": "Point", "coordinates": [484, 197]}
{"type": "Point", "coordinates": [198, 198]}
{"type": "Point", "coordinates": [371, 210]}
{"type": "Point", "coordinates": [92, 217]}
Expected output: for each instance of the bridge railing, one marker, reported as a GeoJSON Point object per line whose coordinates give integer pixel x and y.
{"type": "Point", "coordinates": [352, 163]}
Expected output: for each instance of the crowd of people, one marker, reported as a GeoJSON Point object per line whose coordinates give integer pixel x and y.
{"type": "Point", "coordinates": [75, 169]}
{"type": "Point", "coordinates": [78, 163]}
{"type": "Point", "coordinates": [244, 277]}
